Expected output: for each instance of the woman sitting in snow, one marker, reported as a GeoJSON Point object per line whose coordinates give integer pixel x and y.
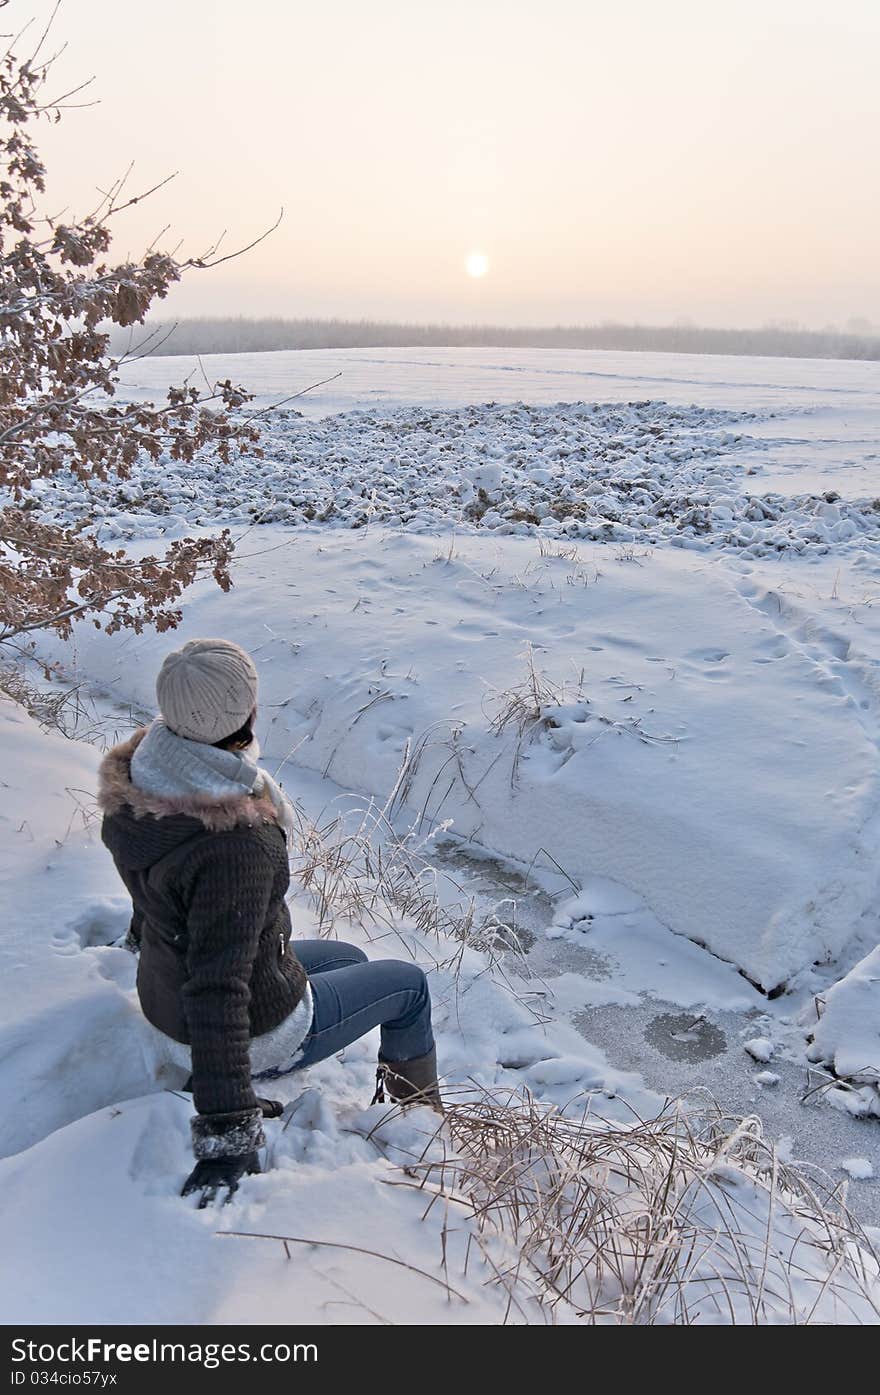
{"type": "Point", "coordinates": [198, 834]}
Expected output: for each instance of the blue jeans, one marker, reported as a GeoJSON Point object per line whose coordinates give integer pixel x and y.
{"type": "Point", "coordinates": [352, 994]}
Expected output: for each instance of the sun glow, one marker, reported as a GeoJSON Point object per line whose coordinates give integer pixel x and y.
{"type": "Point", "coordinates": [476, 264]}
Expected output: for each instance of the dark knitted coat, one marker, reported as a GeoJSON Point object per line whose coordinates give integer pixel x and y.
{"type": "Point", "coordinates": [207, 880]}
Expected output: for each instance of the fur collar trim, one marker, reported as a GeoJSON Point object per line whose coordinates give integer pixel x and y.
{"type": "Point", "coordinates": [116, 792]}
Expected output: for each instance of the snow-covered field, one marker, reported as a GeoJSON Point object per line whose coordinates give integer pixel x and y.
{"type": "Point", "coordinates": [616, 660]}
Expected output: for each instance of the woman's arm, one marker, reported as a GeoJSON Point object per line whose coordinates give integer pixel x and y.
{"type": "Point", "coordinates": [227, 901]}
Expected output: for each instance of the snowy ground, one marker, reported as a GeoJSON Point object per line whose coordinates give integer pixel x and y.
{"type": "Point", "coordinates": [97, 1142]}
{"type": "Point", "coordinates": [641, 722]}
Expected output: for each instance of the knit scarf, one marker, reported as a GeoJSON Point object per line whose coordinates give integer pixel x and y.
{"type": "Point", "coordinates": [172, 766]}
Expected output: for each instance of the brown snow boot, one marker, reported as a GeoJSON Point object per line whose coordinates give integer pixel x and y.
{"type": "Point", "coordinates": [410, 1082]}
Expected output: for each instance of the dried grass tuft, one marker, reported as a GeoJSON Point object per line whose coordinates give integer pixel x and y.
{"type": "Point", "coordinates": [688, 1217]}
{"type": "Point", "coordinates": [358, 869]}
{"type": "Point", "coordinates": [523, 706]}
{"type": "Point", "coordinates": [57, 704]}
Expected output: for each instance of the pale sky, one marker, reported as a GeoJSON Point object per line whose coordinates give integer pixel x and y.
{"type": "Point", "coordinates": [612, 159]}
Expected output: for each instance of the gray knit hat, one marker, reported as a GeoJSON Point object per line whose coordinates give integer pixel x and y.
{"type": "Point", "coordinates": [207, 689]}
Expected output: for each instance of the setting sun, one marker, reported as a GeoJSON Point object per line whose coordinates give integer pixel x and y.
{"type": "Point", "coordinates": [476, 264]}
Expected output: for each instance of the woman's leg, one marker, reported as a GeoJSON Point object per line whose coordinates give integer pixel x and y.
{"type": "Point", "coordinates": [326, 956]}
{"type": "Point", "coordinates": [386, 993]}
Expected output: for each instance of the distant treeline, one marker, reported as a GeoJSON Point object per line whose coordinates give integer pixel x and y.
{"type": "Point", "coordinates": [236, 336]}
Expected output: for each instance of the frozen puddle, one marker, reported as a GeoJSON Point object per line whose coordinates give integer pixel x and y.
{"type": "Point", "coordinates": [658, 1005]}
{"type": "Point", "coordinates": [679, 1036]}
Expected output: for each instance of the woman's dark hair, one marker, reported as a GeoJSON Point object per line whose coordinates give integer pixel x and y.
{"type": "Point", "coordinates": [238, 739]}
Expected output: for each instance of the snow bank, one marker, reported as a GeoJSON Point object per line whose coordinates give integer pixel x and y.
{"type": "Point", "coordinates": [70, 1036]}
{"type": "Point", "coordinates": [847, 1035]}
